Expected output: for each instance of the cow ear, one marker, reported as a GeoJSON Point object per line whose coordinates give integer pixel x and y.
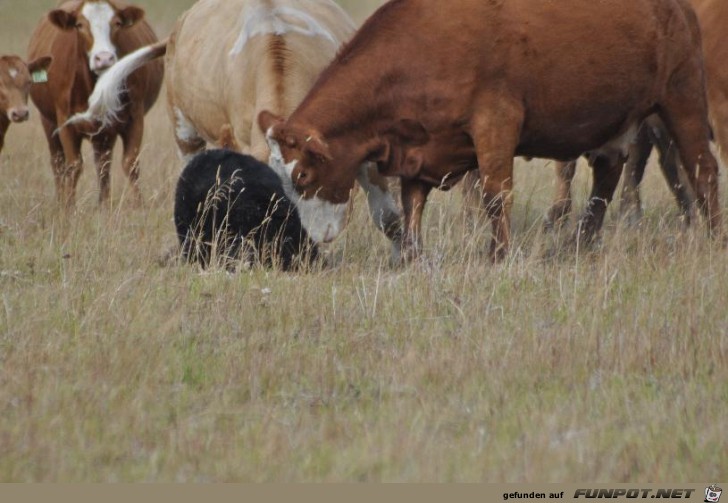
{"type": "Point", "coordinates": [410, 132]}
{"type": "Point", "coordinates": [268, 120]}
{"type": "Point", "coordinates": [63, 19]}
{"type": "Point", "coordinates": [379, 152]}
{"type": "Point", "coordinates": [40, 64]}
{"type": "Point", "coordinates": [131, 15]}
{"type": "Point", "coordinates": [316, 147]}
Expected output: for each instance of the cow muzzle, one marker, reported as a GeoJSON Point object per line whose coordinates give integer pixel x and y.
{"type": "Point", "coordinates": [18, 114]}
{"type": "Point", "coordinates": [323, 220]}
{"type": "Point", "coordinates": [102, 61]}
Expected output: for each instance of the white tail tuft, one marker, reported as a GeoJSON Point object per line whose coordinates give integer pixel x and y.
{"type": "Point", "coordinates": [105, 103]}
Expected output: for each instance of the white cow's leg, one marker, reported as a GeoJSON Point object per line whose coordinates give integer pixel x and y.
{"type": "Point", "coordinates": [414, 197]}
{"type": "Point", "coordinates": [189, 141]}
{"type": "Point", "coordinates": [384, 211]}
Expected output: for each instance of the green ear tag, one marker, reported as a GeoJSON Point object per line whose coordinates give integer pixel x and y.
{"type": "Point", "coordinates": [39, 76]}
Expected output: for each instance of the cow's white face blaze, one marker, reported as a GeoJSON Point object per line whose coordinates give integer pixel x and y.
{"type": "Point", "coordinates": [103, 52]}
{"type": "Point", "coordinates": [322, 220]}
{"type": "Point", "coordinates": [98, 24]}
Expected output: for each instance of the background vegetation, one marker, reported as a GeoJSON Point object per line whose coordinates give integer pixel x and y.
{"type": "Point", "coordinates": [607, 366]}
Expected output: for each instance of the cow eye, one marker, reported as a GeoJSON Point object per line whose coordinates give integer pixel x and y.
{"type": "Point", "coordinates": [79, 26]}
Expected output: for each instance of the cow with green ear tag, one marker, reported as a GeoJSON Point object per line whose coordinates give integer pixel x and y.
{"type": "Point", "coordinates": [16, 79]}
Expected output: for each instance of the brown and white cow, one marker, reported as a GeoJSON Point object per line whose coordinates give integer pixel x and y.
{"type": "Point", "coordinates": [85, 39]}
{"type": "Point", "coordinates": [15, 83]}
{"type": "Point", "coordinates": [712, 17]}
{"type": "Point", "coordinates": [430, 95]}
{"type": "Point", "coordinates": [227, 60]}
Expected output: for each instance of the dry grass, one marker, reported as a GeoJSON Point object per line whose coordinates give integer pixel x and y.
{"type": "Point", "coordinates": [609, 366]}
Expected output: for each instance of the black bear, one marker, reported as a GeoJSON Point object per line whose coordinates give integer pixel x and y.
{"type": "Point", "coordinates": [232, 207]}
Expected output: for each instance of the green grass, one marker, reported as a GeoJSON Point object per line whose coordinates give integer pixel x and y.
{"type": "Point", "coordinates": [609, 366]}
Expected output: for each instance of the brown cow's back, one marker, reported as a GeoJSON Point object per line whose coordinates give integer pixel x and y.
{"type": "Point", "coordinates": [480, 45]}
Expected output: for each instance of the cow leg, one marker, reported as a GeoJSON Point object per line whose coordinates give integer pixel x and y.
{"type": "Point", "coordinates": [498, 201]}
{"type": "Point", "coordinates": [630, 205]}
{"type": "Point", "coordinates": [671, 169]}
{"type": "Point", "coordinates": [131, 138]}
{"type": "Point", "coordinates": [4, 124]}
{"type": "Point", "coordinates": [606, 171]}
{"type": "Point", "coordinates": [495, 135]}
{"type": "Point", "coordinates": [561, 207]}
{"type": "Point", "coordinates": [382, 208]}
{"type": "Point", "coordinates": [226, 139]}
{"type": "Point", "coordinates": [719, 120]}
{"type": "Point", "coordinates": [414, 196]}
{"type": "Point", "coordinates": [189, 142]}
{"type": "Point", "coordinates": [103, 146]}
{"type": "Point", "coordinates": [69, 171]}
{"type": "Point", "coordinates": [685, 121]}
{"type": "Point", "coordinates": [471, 193]}
{"type": "Point", "coordinates": [58, 159]}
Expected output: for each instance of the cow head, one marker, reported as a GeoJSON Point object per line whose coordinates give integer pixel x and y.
{"type": "Point", "coordinates": [319, 174]}
{"type": "Point", "coordinates": [15, 82]}
{"type": "Point", "coordinates": [305, 163]}
{"type": "Point", "coordinates": [98, 24]}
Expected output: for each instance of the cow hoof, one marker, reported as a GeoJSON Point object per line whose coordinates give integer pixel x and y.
{"type": "Point", "coordinates": [557, 216]}
{"type": "Point", "coordinates": [632, 217]}
{"type": "Point", "coordinates": [170, 257]}
{"type": "Point", "coordinates": [497, 254]}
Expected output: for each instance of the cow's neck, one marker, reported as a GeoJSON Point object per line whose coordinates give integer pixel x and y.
{"type": "Point", "coordinates": [362, 90]}
{"type": "Point", "coordinates": [346, 105]}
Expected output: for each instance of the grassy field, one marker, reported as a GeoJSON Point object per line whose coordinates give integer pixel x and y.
{"type": "Point", "coordinates": [601, 367]}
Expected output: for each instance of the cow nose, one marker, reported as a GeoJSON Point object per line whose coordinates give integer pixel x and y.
{"type": "Point", "coordinates": [19, 114]}
{"type": "Point", "coordinates": [103, 60]}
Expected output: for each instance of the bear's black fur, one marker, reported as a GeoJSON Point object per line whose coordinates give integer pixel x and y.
{"type": "Point", "coordinates": [238, 204]}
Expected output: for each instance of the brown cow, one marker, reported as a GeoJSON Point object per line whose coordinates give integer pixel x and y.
{"type": "Point", "coordinates": [15, 82]}
{"type": "Point", "coordinates": [713, 17]}
{"type": "Point", "coordinates": [85, 38]}
{"type": "Point", "coordinates": [227, 60]}
{"type": "Point", "coordinates": [496, 81]}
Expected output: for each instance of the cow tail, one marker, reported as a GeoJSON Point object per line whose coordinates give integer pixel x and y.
{"type": "Point", "coordinates": [105, 103]}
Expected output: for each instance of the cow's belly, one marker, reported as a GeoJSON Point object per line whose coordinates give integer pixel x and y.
{"type": "Point", "coordinates": [565, 141]}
